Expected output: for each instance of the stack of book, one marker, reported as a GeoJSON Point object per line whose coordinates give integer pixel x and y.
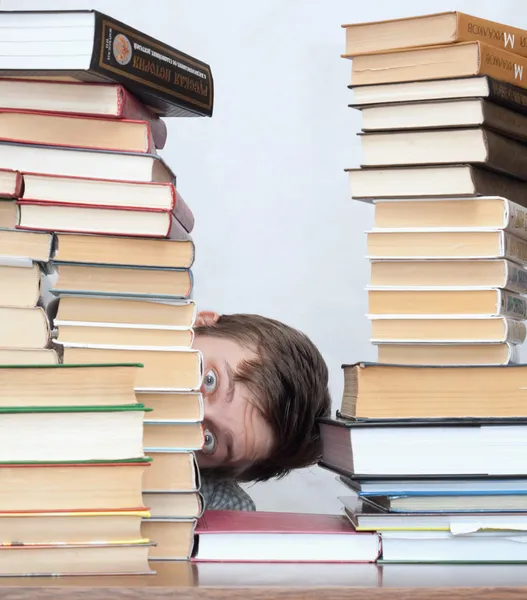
{"type": "Point", "coordinates": [432, 438]}
{"type": "Point", "coordinates": [71, 464]}
{"type": "Point", "coordinates": [445, 162]}
{"type": "Point", "coordinates": [85, 168]}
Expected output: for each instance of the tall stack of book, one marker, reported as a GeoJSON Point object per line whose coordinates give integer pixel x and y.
{"type": "Point", "coordinates": [445, 162]}
{"type": "Point", "coordinates": [71, 464]}
{"type": "Point", "coordinates": [86, 157]}
{"type": "Point", "coordinates": [432, 438]}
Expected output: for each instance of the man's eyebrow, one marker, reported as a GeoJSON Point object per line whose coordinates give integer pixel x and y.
{"type": "Point", "coordinates": [229, 394]}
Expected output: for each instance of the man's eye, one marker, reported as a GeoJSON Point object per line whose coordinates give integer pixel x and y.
{"type": "Point", "coordinates": [209, 444]}
{"type": "Point", "coordinates": [210, 381]}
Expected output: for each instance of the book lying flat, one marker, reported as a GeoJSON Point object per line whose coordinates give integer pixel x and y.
{"type": "Point", "coordinates": [435, 274]}
{"type": "Point", "coordinates": [25, 356]}
{"type": "Point", "coordinates": [376, 391]}
{"type": "Point", "coordinates": [172, 437]}
{"type": "Point", "coordinates": [139, 282]}
{"type": "Point", "coordinates": [171, 472]}
{"type": "Point", "coordinates": [174, 538]}
{"type": "Point", "coordinates": [431, 30]}
{"type": "Point", "coordinates": [75, 42]}
{"type": "Point", "coordinates": [72, 486]}
{"type": "Point", "coordinates": [443, 355]}
{"type": "Point", "coordinates": [68, 385]}
{"type": "Point", "coordinates": [185, 505]}
{"type": "Point", "coordinates": [489, 447]}
{"type": "Point", "coordinates": [169, 407]}
{"type": "Point", "coordinates": [26, 244]}
{"type": "Point", "coordinates": [475, 146]}
{"type": "Point", "coordinates": [108, 250]}
{"type": "Point", "coordinates": [433, 181]}
{"type": "Point", "coordinates": [10, 183]}
{"type": "Point", "coordinates": [20, 285]}
{"type": "Point", "coordinates": [24, 327]}
{"type": "Point", "coordinates": [76, 559]}
{"type": "Point", "coordinates": [234, 536]}
{"type": "Point", "coordinates": [108, 100]}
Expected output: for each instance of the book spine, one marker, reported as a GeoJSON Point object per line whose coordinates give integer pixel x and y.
{"type": "Point", "coordinates": [507, 95]}
{"type": "Point", "coordinates": [504, 121]}
{"type": "Point", "coordinates": [514, 249]}
{"type": "Point", "coordinates": [494, 34]}
{"type": "Point", "coordinates": [516, 219]}
{"type": "Point", "coordinates": [512, 305]}
{"type": "Point", "coordinates": [515, 331]}
{"type": "Point", "coordinates": [183, 213]}
{"type": "Point", "coordinates": [502, 65]}
{"type": "Point", "coordinates": [515, 278]}
{"type": "Point", "coordinates": [487, 183]}
{"type": "Point", "coordinates": [165, 79]}
{"type": "Point", "coordinates": [506, 155]}
{"type": "Point", "coordinates": [133, 109]}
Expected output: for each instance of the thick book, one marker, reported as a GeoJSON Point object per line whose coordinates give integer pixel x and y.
{"type": "Point", "coordinates": [444, 303]}
{"type": "Point", "coordinates": [75, 131]}
{"type": "Point", "coordinates": [446, 244]}
{"type": "Point", "coordinates": [68, 385]}
{"type": "Point", "coordinates": [174, 538]}
{"type": "Point", "coordinates": [107, 193]}
{"type": "Point", "coordinates": [442, 355]}
{"type": "Point", "coordinates": [456, 213]}
{"type": "Point", "coordinates": [74, 162]}
{"type": "Point", "coordinates": [25, 356]}
{"type": "Point", "coordinates": [436, 274]}
{"type": "Point", "coordinates": [100, 311]}
{"type": "Point", "coordinates": [75, 559]}
{"type": "Point", "coordinates": [171, 472]}
{"type": "Point", "coordinates": [72, 486]}
{"type": "Point", "coordinates": [476, 146]}
{"type": "Point", "coordinates": [89, 46]}
{"type": "Point", "coordinates": [31, 245]}
{"type": "Point", "coordinates": [234, 536]}
{"type": "Point", "coordinates": [172, 436]}
{"type": "Point", "coordinates": [432, 30]}
{"type": "Point", "coordinates": [170, 407]}
{"type": "Point", "coordinates": [185, 505]}
{"type": "Point", "coordinates": [164, 370]}
{"type": "Point", "coordinates": [445, 547]}
{"type": "Point", "coordinates": [378, 391]}
{"type": "Point", "coordinates": [10, 184]}
{"type": "Point", "coordinates": [20, 284]}
{"type": "Point", "coordinates": [72, 527]}
{"type": "Point", "coordinates": [440, 62]}
{"type": "Point", "coordinates": [446, 331]}
{"type": "Point", "coordinates": [59, 433]}
{"type": "Point", "coordinates": [24, 327]}
{"type": "Point", "coordinates": [489, 447]}
{"type": "Point", "coordinates": [137, 282]}
{"type": "Point", "coordinates": [48, 216]}
{"type": "Point", "coordinates": [372, 183]}
{"type": "Point", "coordinates": [474, 112]}
{"type": "Point", "coordinates": [110, 101]}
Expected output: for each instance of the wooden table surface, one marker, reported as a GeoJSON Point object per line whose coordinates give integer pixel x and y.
{"type": "Point", "coordinates": [214, 581]}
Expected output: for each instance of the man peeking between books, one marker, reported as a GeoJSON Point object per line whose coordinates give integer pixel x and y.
{"type": "Point", "coordinates": [265, 385]}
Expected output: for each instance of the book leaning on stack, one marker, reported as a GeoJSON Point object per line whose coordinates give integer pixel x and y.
{"type": "Point", "coordinates": [79, 163]}
{"type": "Point", "coordinates": [431, 439]}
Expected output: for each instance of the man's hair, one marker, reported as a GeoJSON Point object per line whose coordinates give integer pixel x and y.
{"type": "Point", "coordinates": [288, 379]}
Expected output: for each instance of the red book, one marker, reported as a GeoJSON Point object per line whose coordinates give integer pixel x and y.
{"type": "Point", "coordinates": [237, 536]}
{"type": "Point", "coordinates": [87, 99]}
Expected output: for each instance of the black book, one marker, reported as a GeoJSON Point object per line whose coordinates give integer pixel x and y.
{"type": "Point", "coordinates": [87, 45]}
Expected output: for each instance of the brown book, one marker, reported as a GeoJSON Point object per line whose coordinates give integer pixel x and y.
{"type": "Point", "coordinates": [440, 62]}
{"type": "Point", "coordinates": [172, 436]}
{"type": "Point", "coordinates": [176, 406]}
{"type": "Point", "coordinates": [432, 30]}
{"type": "Point", "coordinates": [164, 370]}
{"type": "Point", "coordinates": [108, 250]}
{"type": "Point", "coordinates": [174, 538]}
{"type": "Point", "coordinates": [476, 146]}
{"type": "Point", "coordinates": [174, 504]}
{"type": "Point", "coordinates": [171, 472]}
{"type": "Point", "coordinates": [24, 327]}
{"type": "Point", "coordinates": [447, 354]}
{"type": "Point", "coordinates": [433, 181]}
{"type": "Point", "coordinates": [141, 282]}
{"type": "Point", "coordinates": [71, 486]}
{"type": "Point", "coordinates": [396, 392]}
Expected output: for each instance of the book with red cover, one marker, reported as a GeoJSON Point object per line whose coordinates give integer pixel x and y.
{"type": "Point", "coordinates": [10, 183]}
{"type": "Point", "coordinates": [238, 536]}
{"type": "Point", "coordinates": [102, 100]}
{"type": "Point", "coordinates": [44, 188]}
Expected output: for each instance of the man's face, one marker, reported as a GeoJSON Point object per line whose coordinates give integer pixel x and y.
{"type": "Point", "coordinates": [239, 435]}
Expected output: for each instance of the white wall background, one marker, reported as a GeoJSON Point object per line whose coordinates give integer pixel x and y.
{"type": "Point", "coordinates": [276, 231]}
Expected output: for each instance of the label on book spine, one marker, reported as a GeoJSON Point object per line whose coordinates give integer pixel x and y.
{"type": "Point", "coordinates": [512, 305]}
{"type": "Point", "coordinates": [516, 280]}
{"type": "Point", "coordinates": [515, 249]}
{"type": "Point", "coordinates": [516, 331]}
{"type": "Point", "coordinates": [516, 219]}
